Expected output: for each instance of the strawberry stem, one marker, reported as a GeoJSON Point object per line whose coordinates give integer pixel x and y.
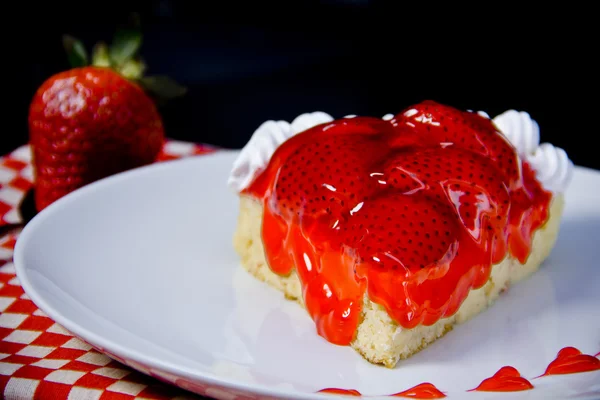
{"type": "Point", "coordinates": [132, 69]}
{"type": "Point", "coordinates": [100, 57]}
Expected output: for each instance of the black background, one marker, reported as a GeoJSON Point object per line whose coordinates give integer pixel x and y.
{"type": "Point", "coordinates": [248, 62]}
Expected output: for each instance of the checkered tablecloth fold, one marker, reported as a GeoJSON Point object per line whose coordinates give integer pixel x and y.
{"type": "Point", "coordinates": [39, 359]}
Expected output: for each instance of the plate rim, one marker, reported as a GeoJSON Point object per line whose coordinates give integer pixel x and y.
{"type": "Point", "coordinates": [107, 343]}
{"type": "Point", "coordinates": [112, 346]}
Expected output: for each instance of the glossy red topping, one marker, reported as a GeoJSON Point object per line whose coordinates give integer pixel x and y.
{"type": "Point", "coordinates": [414, 211]}
{"type": "Point", "coordinates": [507, 379]}
{"type": "Point", "coordinates": [423, 391]}
{"type": "Point", "coordinates": [570, 360]}
{"type": "Point", "coordinates": [345, 392]}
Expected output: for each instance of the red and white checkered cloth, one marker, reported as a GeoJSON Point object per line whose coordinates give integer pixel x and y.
{"type": "Point", "coordinates": [39, 359]}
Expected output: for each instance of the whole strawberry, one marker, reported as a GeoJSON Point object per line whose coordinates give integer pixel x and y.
{"type": "Point", "coordinates": [93, 121]}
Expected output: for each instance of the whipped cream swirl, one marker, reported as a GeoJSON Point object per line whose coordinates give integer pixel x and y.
{"type": "Point", "coordinates": [553, 167]}
{"type": "Point", "coordinates": [255, 156]}
{"type": "Point", "coordinates": [551, 164]}
{"type": "Point", "coordinates": [520, 129]}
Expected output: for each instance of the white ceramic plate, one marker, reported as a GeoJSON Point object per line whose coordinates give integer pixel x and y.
{"type": "Point", "coordinates": [141, 266]}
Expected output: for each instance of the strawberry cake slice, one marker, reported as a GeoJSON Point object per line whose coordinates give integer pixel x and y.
{"type": "Point", "coordinates": [390, 231]}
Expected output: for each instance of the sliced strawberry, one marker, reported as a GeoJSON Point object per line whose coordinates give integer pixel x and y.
{"type": "Point", "coordinates": [326, 178]}
{"type": "Point", "coordinates": [466, 130]}
{"type": "Point", "coordinates": [402, 241]}
{"type": "Point", "coordinates": [468, 181]}
{"type": "Point", "coordinates": [401, 232]}
{"type": "Point", "coordinates": [406, 138]}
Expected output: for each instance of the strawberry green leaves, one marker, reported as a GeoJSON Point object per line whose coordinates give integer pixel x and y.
{"type": "Point", "coordinates": [122, 56]}
{"type": "Point", "coordinates": [125, 46]}
{"type": "Point", "coordinates": [76, 52]}
{"type": "Point", "coordinates": [162, 87]}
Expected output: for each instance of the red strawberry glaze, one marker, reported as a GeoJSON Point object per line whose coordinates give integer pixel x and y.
{"type": "Point", "coordinates": [345, 392]}
{"type": "Point", "coordinates": [570, 360]}
{"type": "Point", "coordinates": [422, 391]}
{"type": "Point", "coordinates": [414, 211]}
{"type": "Point", "coordinates": [507, 379]}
